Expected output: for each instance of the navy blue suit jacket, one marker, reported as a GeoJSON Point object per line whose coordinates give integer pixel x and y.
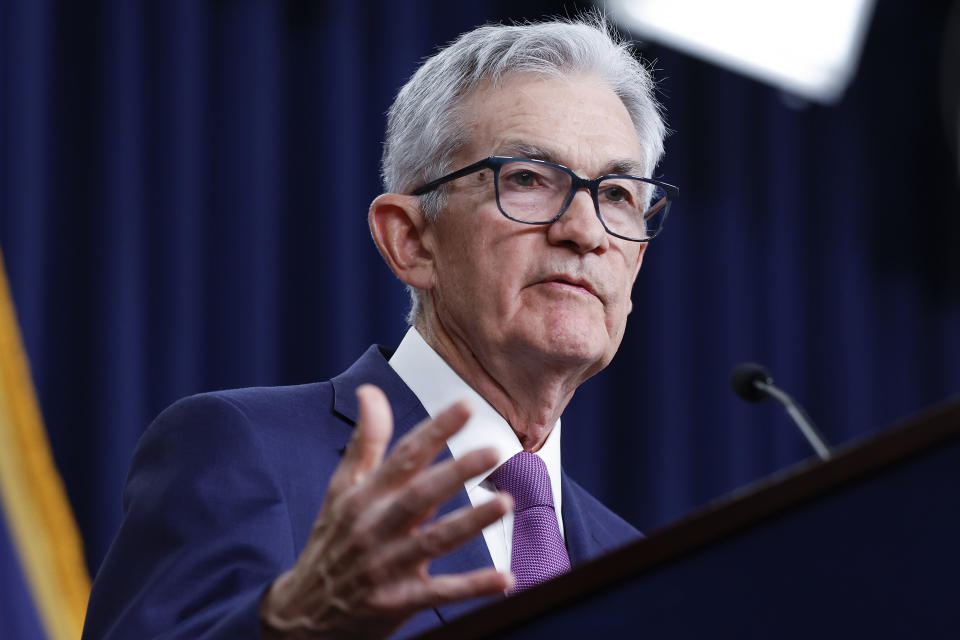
{"type": "Point", "coordinates": [223, 490]}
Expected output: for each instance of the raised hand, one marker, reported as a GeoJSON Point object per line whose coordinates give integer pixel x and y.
{"type": "Point", "coordinates": [364, 568]}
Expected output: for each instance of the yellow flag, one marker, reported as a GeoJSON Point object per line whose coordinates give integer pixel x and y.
{"type": "Point", "coordinates": [39, 521]}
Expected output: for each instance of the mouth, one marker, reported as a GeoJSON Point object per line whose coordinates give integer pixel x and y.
{"type": "Point", "coordinates": [570, 283]}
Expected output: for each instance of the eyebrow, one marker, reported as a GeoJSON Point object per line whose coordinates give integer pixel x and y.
{"type": "Point", "coordinates": [625, 166]}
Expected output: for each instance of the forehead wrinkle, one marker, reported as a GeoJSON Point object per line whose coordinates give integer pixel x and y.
{"type": "Point", "coordinates": [522, 149]}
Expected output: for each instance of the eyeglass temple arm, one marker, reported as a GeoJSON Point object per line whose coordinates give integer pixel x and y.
{"type": "Point", "coordinates": [430, 186]}
{"type": "Point", "coordinates": [653, 210]}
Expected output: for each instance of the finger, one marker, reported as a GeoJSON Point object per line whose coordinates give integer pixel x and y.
{"type": "Point", "coordinates": [420, 447]}
{"type": "Point", "coordinates": [446, 534]}
{"type": "Point", "coordinates": [438, 590]}
{"type": "Point", "coordinates": [369, 442]}
{"type": "Point", "coordinates": [432, 487]}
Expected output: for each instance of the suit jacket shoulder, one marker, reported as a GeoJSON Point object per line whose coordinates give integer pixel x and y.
{"type": "Point", "coordinates": [222, 492]}
{"type": "Point", "coordinates": [224, 488]}
{"type": "Point", "coordinates": [210, 513]}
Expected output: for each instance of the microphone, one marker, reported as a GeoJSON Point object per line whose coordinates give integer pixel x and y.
{"type": "Point", "coordinates": [753, 383]}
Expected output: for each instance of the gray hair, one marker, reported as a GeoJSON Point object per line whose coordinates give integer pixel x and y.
{"type": "Point", "coordinates": [424, 124]}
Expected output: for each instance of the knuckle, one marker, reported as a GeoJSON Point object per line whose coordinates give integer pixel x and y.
{"type": "Point", "coordinates": [439, 592]}
{"type": "Point", "coordinates": [362, 540]}
{"type": "Point", "coordinates": [405, 452]}
{"type": "Point", "coordinates": [418, 496]}
{"type": "Point", "coordinates": [399, 517]}
{"type": "Point", "coordinates": [377, 573]}
{"type": "Point", "coordinates": [432, 541]}
{"type": "Point", "coordinates": [345, 511]}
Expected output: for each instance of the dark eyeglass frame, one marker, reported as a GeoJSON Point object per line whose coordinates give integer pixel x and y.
{"type": "Point", "coordinates": [576, 183]}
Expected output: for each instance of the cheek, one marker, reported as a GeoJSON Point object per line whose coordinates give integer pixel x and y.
{"type": "Point", "coordinates": [497, 266]}
{"type": "Point", "coordinates": [617, 318]}
{"type": "Point", "coordinates": [474, 285]}
{"type": "Point", "coordinates": [618, 312]}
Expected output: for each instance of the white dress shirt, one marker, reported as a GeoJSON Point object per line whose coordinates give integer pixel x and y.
{"type": "Point", "coordinates": [437, 386]}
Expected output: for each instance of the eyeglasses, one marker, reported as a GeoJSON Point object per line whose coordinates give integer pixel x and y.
{"type": "Point", "coordinates": [539, 192]}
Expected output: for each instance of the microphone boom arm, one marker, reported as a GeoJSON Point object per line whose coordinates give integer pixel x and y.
{"type": "Point", "coordinates": [799, 417]}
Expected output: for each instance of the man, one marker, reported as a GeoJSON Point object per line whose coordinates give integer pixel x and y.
{"type": "Point", "coordinates": [515, 214]}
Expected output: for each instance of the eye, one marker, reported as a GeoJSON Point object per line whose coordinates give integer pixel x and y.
{"type": "Point", "coordinates": [615, 193]}
{"type": "Point", "coordinates": [523, 178]}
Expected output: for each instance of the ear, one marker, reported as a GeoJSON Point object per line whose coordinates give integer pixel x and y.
{"type": "Point", "coordinates": [398, 227]}
{"type": "Point", "coordinates": [636, 270]}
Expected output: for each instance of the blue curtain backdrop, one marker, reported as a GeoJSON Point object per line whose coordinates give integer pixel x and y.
{"type": "Point", "coordinates": [183, 196]}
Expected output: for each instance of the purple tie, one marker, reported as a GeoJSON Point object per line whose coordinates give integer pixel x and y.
{"type": "Point", "coordinates": [538, 550]}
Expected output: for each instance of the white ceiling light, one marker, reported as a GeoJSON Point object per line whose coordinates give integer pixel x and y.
{"type": "Point", "coordinates": [808, 48]}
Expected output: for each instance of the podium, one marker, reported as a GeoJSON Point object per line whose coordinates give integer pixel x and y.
{"type": "Point", "coordinates": [865, 545]}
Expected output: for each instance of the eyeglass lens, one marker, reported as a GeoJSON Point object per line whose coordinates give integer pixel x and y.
{"type": "Point", "coordinates": [534, 192]}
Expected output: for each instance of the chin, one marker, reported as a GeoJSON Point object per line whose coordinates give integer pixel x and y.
{"type": "Point", "coordinates": [563, 335]}
{"type": "Point", "coordinates": [582, 343]}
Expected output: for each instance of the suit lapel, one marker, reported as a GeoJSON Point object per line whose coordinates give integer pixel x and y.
{"type": "Point", "coordinates": [582, 542]}
{"type": "Point", "coordinates": [373, 368]}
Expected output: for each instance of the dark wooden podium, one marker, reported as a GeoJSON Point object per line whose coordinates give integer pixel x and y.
{"type": "Point", "coordinates": [866, 545]}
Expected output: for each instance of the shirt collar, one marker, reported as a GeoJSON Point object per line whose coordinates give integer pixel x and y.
{"type": "Point", "coordinates": [437, 386]}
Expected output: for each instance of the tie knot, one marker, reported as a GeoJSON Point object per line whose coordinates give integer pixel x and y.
{"type": "Point", "coordinates": [525, 478]}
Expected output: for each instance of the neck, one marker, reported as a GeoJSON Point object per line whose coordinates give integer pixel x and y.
{"type": "Point", "coordinates": [526, 389]}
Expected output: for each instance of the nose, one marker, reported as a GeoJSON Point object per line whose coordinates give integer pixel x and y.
{"type": "Point", "coordinates": [579, 227]}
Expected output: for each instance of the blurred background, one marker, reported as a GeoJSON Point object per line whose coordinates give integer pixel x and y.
{"type": "Point", "coordinates": [183, 198]}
